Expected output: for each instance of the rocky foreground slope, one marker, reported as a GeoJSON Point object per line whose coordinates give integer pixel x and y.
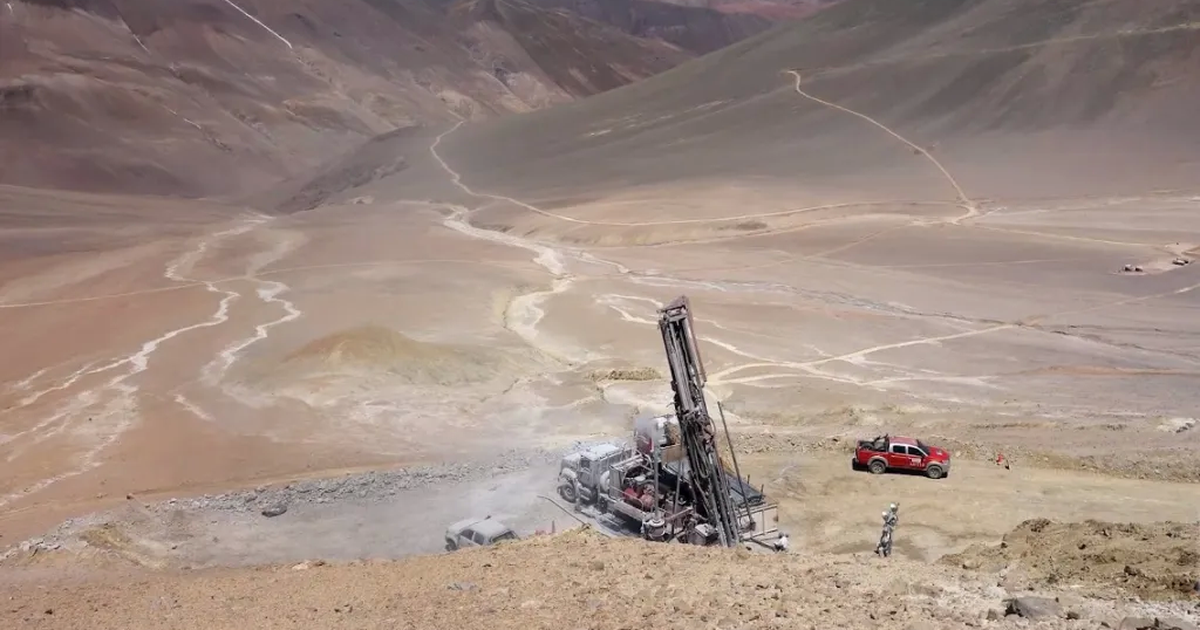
{"type": "Point", "coordinates": [579, 579]}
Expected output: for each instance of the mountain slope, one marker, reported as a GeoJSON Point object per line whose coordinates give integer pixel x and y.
{"type": "Point", "coordinates": [583, 57]}
{"type": "Point", "coordinates": [1020, 98]}
{"type": "Point", "coordinates": [201, 98]}
{"type": "Point", "coordinates": [772, 9]}
{"type": "Point", "coordinates": [698, 29]}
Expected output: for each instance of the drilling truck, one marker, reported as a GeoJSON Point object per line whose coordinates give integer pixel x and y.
{"type": "Point", "coordinates": [672, 484]}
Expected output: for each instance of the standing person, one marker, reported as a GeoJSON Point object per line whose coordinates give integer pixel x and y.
{"type": "Point", "coordinates": [890, 518]}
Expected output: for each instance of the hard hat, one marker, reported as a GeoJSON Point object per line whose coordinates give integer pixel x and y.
{"type": "Point", "coordinates": [893, 507]}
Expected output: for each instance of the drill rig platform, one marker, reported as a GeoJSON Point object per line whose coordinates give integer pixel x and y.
{"type": "Point", "coordinates": [672, 484]}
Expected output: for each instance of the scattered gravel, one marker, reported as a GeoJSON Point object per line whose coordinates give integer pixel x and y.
{"type": "Point", "coordinates": [366, 486]}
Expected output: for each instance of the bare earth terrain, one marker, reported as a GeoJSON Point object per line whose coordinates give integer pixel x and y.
{"type": "Point", "coordinates": [911, 220]}
{"type": "Point", "coordinates": [217, 98]}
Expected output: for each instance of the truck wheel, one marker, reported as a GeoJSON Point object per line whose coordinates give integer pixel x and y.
{"type": "Point", "coordinates": [934, 472]}
{"type": "Point", "coordinates": [567, 492]}
{"type": "Point", "coordinates": [450, 546]}
{"type": "Point", "coordinates": [855, 465]}
{"type": "Point", "coordinates": [878, 466]}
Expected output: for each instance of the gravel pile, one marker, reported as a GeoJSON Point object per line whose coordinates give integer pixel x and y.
{"type": "Point", "coordinates": [373, 485]}
{"type": "Point", "coordinates": [366, 486]}
{"type": "Point", "coordinates": [270, 501]}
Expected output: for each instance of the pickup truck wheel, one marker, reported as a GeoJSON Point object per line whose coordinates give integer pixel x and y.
{"type": "Point", "coordinates": [854, 465]}
{"type": "Point", "coordinates": [877, 467]}
{"type": "Point", "coordinates": [450, 545]}
{"type": "Point", "coordinates": [567, 492]}
{"type": "Point", "coordinates": [934, 472]}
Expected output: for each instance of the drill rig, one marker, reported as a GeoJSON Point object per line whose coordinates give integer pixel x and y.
{"type": "Point", "coordinates": [672, 483]}
{"type": "Point", "coordinates": [709, 483]}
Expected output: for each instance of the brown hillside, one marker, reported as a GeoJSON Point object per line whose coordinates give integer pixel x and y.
{"type": "Point", "coordinates": [1154, 560]}
{"type": "Point", "coordinates": [133, 96]}
{"type": "Point", "coordinates": [583, 57]}
{"type": "Point", "coordinates": [574, 580]}
{"type": "Point", "coordinates": [699, 29]}
{"type": "Point", "coordinates": [1026, 98]}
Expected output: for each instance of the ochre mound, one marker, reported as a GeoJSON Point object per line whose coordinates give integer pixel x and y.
{"type": "Point", "coordinates": [376, 350]}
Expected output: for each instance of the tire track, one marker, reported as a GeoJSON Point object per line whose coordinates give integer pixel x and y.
{"type": "Point", "coordinates": [963, 200]}
{"type": "Point", "coordinates": [548, 257]}
{"type": "Point", "coordinates": [27, 382]}
{"type": "Point", "coordinates": [262, 274]}
{"type": "Point", "coordinates": [172, 272]}
{"type": "Point", "coordinates": [563, 281]}
{"type": "Point", "coordinates": [120, 410]}
{"type": "Point", "coordinates": [1072, 238]}
{"type": "Point", "coordinates": [524, 312]}
{"type": "Point", "coordinates": [1029, 323]}
{"type": "Point", "coordinates": [612, 301]}
{"type": "Point", "coordinates": [268, 293]}
{"type": "Point", "coordinates": [970, 206]}
{"type": "Point", "coordinates": [67, 382]}
{"type": "Point", "coordinates": [456, 179]}
{"type": "Point", "coordinates": [740, 217]}
{"type": "Point", "coordinates": [810, 368]}
{"type": "Point", "coordinates": [547, 253]}
{"type": "Point", "coordinates": [857, 354]}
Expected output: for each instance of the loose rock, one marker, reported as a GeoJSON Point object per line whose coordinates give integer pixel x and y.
{"type": "Point", "coordinates": [1033, 607]}
{"type": "Point", "coordinates": [1146, 623]}
{"type": "Point", "coordinates": [373, 485]}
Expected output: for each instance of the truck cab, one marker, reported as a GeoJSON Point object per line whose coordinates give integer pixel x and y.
{"type": "Point", "coordinates": [579, 473]}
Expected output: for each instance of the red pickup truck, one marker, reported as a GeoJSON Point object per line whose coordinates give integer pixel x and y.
{"type": "Point", "coordinates": [889, 452]}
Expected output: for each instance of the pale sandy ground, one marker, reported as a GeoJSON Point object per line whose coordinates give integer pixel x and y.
{"type": "Point", "coordinates": [956, 327]}
{"type": "Point", "coordinates": [250, 350]}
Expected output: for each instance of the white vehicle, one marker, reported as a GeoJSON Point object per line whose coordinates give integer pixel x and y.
{"type": "Point", "coordinates": [477, 532]}
{"type": "Point", "coordinates": [580, 473]}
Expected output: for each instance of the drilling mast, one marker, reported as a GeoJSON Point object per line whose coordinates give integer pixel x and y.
{"type": "Point", "coordinates": [698, 432]}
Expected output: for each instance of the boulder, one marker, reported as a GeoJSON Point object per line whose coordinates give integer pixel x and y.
{"type": "Point", "coordinates": [272, 511]}
{"type": "Point", "coordinates": [1034, 608]}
